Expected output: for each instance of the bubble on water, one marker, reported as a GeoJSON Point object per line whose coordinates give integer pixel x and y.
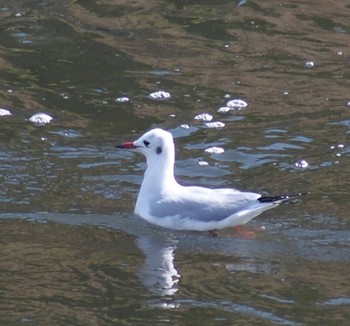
{"type": "Point", "coordinates": [122, 99]}
{"type": "Point", "coordinates": [224, 109]}
{"type": "Point", "coordinates": [159, 95]}
{"type": "Point", "coordinates": [237, 104]}
{"type": "Point", "coordinates": [340, 146]}
{"type": "Point", "coordinates": [204, 117]}
{"type": "Point", "coordinates": [40, 119]}
{"type": "Point", "coordinates": [214, 150]}
{"type": "Point", "coordinates": [309, 64]}
{"type": "Point", "coordinates": [184, 126]}
{"type": "Point", "coordinates": [301, 164]}
{"type": "Point", "coordinates": [233, 105]}
{"type": "Point", "coordinates": [203, 163]}
{"type": "Point", "coordinates": [4, 112]}
{"type": "Point", "coordinates": [216, 124]}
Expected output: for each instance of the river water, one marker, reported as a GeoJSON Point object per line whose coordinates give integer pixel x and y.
{"type": "Point", "coordinates": [72, 252]}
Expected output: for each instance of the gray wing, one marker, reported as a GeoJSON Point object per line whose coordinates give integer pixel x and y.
{"type": "Point", "coordinates": [199, 210]}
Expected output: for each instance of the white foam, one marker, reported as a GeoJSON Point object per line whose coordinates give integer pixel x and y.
{"type": "Point", "coordinates": [216, 124]}
{"type": "Point", "coordinates": [40, 118]}
{"type": "Point", "coordinates": [204, 117]}
{"type": "Point", "coordinates": [159, 95]}
{"type": "Point", "coordinates": [215, 150]}
{"type": "Point", "coordinates": [4, 112]}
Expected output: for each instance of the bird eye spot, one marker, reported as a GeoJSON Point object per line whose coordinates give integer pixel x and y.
{"type": "Point", "coordinates": [146, 143]}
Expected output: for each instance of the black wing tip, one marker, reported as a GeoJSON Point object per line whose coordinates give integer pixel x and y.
{"type": "Point", "coordinates": [281, 198]}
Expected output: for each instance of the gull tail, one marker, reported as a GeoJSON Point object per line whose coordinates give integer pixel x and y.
{"type": "Point", "coordinates": [281, 198]}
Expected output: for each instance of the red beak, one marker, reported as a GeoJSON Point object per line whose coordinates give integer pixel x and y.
{"type": "Point", "coordinates": [128, 145]}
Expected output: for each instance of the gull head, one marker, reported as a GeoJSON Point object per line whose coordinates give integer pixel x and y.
{"type": "Point", "coordinates": [153, 144]}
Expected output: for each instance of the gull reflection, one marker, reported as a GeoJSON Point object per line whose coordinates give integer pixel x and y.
{"type": "Point", "coordinates": [158, 273]}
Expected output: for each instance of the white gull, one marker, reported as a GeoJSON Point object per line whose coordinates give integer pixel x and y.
{"type": "Point", "coordinates": [164, 202]}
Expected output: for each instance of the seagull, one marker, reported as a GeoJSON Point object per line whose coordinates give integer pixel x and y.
{"type": "Point", "coordinates": [166, 203]}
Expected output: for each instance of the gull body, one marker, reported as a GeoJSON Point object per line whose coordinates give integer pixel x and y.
{"type": "Point", "coordinates": [164, 202]}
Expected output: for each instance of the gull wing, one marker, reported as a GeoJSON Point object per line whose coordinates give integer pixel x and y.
{"type": "Point", "coordinates": [204, 205]}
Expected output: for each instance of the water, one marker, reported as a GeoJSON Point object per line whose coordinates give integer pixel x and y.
{"type": "Point", "coordinates": [72, 252]}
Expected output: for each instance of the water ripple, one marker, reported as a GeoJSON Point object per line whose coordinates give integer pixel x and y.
{"type": "Point", "coordinates": [235, 307]}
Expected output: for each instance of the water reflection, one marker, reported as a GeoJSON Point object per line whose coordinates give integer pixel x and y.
{"type": "Point", "coordinates": [186, 270]}
{"type": "Point", "coordinates": [158, 273]}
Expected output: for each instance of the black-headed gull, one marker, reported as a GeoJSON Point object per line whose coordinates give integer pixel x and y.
{"type": "Point", "coordinates": [164, 202]}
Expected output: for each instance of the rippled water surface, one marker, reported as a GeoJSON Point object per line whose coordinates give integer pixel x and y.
{"type": "Point", "coordinates": [107, 71]}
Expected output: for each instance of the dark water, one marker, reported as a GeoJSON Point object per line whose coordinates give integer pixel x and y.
{"type": "Point", "coordinates": [73, 253]}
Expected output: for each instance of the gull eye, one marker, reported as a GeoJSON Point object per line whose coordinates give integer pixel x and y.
{"type": "Point", "coordinates": [146, 143]}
